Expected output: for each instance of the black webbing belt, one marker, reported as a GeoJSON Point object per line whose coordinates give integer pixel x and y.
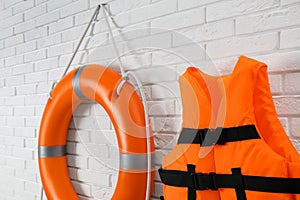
{"type": "Point", "coordinates": [237, 181]}
{"type": "Point", "coordinates": [217, 136]}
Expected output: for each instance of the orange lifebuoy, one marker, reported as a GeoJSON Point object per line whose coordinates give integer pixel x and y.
{"type": "Point", "coordinates": [98, 83]}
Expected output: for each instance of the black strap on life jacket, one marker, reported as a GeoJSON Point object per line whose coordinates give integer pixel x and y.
{"type": "Point", "coordinates": [191, 190]}
{"type": "Point", "coordinates": [217, 136]}
{"type": "Point", "coordinates": [237, 181]}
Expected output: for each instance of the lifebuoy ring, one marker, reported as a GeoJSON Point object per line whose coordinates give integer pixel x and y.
{"type": "Point", "coordinates": [98, 83]}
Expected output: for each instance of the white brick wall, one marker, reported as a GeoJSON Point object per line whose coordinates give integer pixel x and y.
{"type": "Point", "coordinates": [37, 38]}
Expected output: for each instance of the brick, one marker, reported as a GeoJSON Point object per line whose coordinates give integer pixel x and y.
{"type": "Point", "coordinates": [14, 141]}
{"type": "Point", "coordinates": [205, 32]}
{"type": "Point", "coordinates": [74, 8]}
{"type": "Point", "coordinates": [295, 128]}
{"type": "Point", "coordinates": [83, 17]}
{"type": "Point", "coordinates": [49, 41]}
{"type": "Point", "coordinates": [91, 123]}
{"type": "Point", "coordinates": [166, 124]}
{"type": "Point", "coordinates": [182, 4]}
{"type": "Point", "coordinates": [5, 33]}
{"type": "Point", "coordinates": [2, 83]}
{"type": "Point", "coordinates": [291, 85]}
{"type": "Point", "coordinates": [242, 45]}
{"type": "Point", "coordinates": [72, 173]}
{"type": "Point", "coordinates": [290, 38]}
{"type": "Point", "coordinates": [79, 136]}
{"type": "Point", "coordinates": [77, 161]}
{"type": "Point", "coordinates": [26, 175]}
{"type": "Point", "coordinates": [55, 75]}
{"type": "Point", "coordinates": [40, 99]}
{"type": "Point", "coordinates": [14, 101]}
{"type": "Point", "coordinates": [31, 165]}
{"type": "Point", "coordinates": [43, 88]}
{"type": "Point", "coordinates": [33, 187]}
{"type": "Point", "coordinates": [14, 60]}
{"type": "Point", "coordinates": [31, 143]}
{"type": "Point", "coordinates": [36, 33]}
{"type": "Point", "coordinates": [224, 9]}
{"type": "Point", "coordinates": [8, 52]}
{"type": "Point", "coordinates": [92, 149]}
{"type": "Point", "coordinates": [23, 153]}
{"type": "Point", "coordinates": [60, 49]}
{"type": "Point", "coordinates": [160, 108]}
{"type": "Point", "coordinates": [9, 3]}
{"type": "Point", "coordinates": [40, 1]}
{"type": "Point", "coordinates": [6, 13]}
{"type": "Point", "coordinates": [15, 163]}
{"type": "Point", "coordinates": [12, 41]}
{"type": "Point", "coordinates": [23, 111]}
{"type": "Point", "coordinates": [5, 151]}
{"type": "Point", "coordinates": [104, 137]}
{"type": "Point", "coordinates": [281, 61]}
{"type": "Point", "coordinates": [268, 20]}
{"type": "Point", "coordinates": [153, 10]}
{"type": "Point", "coordinates": [64, 59]}
{"type": "Point", "coordinates": [55, 4]}
{"type": "Point", "coordinates": [126, 5]}
{"type": "Point", "coordinates": [36, 77]}
{"type": "Point", "coordinates": [165, 141]}
{"type": "Point", "coordinates": [82, 188]}
{"type": "Point", "coordinates": [26, 47]}
{"type": "Point", "coordinates": [6, 111]}
{"type": "Point", "coordinates": [47, 18]}
{"type": "Point", "coordinates": [39, 110]}
{"type": "Point", "coordinates": [25, 132]}
{"type": "Point", "coordinates": [24, 5]}
{"type": "Point", "coordinates": [35, 12]}
{"type": "Point", "coordinates": [73, 33]}
{"type": "Point", "coordinates": [35, 55]}
{"type": "Point", "coordinates": [22, 69]}
{"type": "Point", "coordinates": [7, 91]}
{"type": "Point", "coordinates": [275, 83]}
{"type": "Point", "coordinates": [61, 25]}
{"type": "Point", "coordinates": [33, 121]}
{"type": "Point", "coordinates": [104, 192]}
{"type": "Point", "coordinates": [15, 121]}
{"type": "Point", "coordinates": [46, 64]}
{"type": "Point", "coordinates": [151, 75]}
{"type": "Point", "coordinates": [2, 121]}
{"type": "Point", "coordinates": [165, 90]}
{"type": "Point", "coordinates": [95, 178]}
{"type": "Point", "coordinates": [180, 20]}
{"type": "Point", "coordinates": [26, 89]}
{"type": "Point", "coordinates": [14, 80]}
{"type": "Point", "coordinates": [5, 72]}
{"type": "Point", "coordinates": [287, 105]}
{"type": "Point", "coordinates": [9, 22]}
{"type": "Point", "coordinates": [286, 2]}
{"type": "Point", "coordinates": [25, 26]}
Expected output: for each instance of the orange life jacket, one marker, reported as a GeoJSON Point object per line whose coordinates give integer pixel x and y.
{"type": "Point", "coordinates": [253, 158]}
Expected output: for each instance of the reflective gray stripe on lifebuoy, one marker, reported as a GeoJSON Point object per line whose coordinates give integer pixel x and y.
{"type": "Point", "coordinates": [135, 161]}
{"type": "Point", "coordinates": [51, 151]}
{"type": "Point", "coordinates": [76, 82]}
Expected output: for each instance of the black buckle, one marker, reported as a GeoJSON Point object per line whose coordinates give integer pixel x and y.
{"type": "Point", "coordinates": [204, 181]}
{"type": "Point", "coordinates": [213, 179]}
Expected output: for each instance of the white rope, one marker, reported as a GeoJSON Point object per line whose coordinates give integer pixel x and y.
{"type": "Point", "coordinates": [125, 77]}
{"type": "Point", "coordinates": [148, 133]}
{"type": "Point", "coordinates": [113, 40]}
